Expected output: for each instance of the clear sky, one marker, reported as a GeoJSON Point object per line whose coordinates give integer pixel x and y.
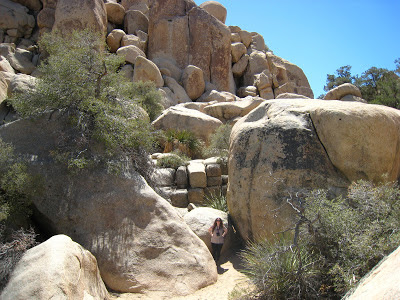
{"type": "Point", "coordinates": [322, 35]}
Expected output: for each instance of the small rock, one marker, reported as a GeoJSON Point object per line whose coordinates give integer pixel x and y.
{"type": "Point", "coordinates": [115, 13]}
{"type": "Point", "coordinates": [130, 53]}
{"type": "Point", "coordinates": [146, 70]}
{"type": "Point", "coordinates": [193, 81]}
{"type": "Point", "coordinates": [114, 39]}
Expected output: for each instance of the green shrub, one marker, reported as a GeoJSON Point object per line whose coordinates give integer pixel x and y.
{"type": "Point", "coordinates": [16, 188]}
{"type": "Point", "coordinates": [175, 160]}
{"type": "Point", "coordinates": [335, 241]}
{"type": "Point", "coordinates": [83, 82]}
{"type": "Point", "coordinates": [216, 201]}
{"type": "Point", "coordinates": [219, 142]}
{"type": "Point", "coordinates": [183, 141]}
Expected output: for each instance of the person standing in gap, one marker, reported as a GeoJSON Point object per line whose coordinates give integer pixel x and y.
{"type": "Point", "coordinates": [217, 231]}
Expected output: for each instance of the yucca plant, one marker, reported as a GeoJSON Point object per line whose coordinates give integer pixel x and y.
{"type": "Point", "coordinates": [280, 270]}
{"type": "Point", "coordinates": [182, 140]}
{"type": "Point", "coordinates": [216, 201]}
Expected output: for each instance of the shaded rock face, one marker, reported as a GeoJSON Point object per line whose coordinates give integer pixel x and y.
{"type": "Point", "coordinates": [188, 35]}
{"type": "Point", "coordinates": [285, 147]}
{"type": "Point", "coordinates": [382, 282]}
{"type": "Point", "coordinates": [15, 18]}
{"type": "Point", "coordinates": [271, 157]}
{"type": "Point", "coordinates": [138, 238]}
{"type": "Point", "coordinates": [79, 15]}
{"type": "Point", "coordinates": [56, 269]}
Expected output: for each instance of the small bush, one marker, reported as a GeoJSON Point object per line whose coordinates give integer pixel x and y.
{"type": "Point", "coordinates": [281, 270]}
{"type": "Point", "coordinates": [219, 142]}
{"type": "Point", "coordinates": [11, 250]}
{"type": "Point", "coordinates": [183, 141]}
{"type": "Point", "coordinates": [16, 188]}
{"type": "Point", "coordinates": [216, 201]}
{"type": "Point", "coordinates": [332, 245]}
{"type": "Point", "coordinates": [175, 160]}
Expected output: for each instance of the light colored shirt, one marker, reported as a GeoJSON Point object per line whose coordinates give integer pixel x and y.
{"type": "Point", "coordinates": [216, 237]}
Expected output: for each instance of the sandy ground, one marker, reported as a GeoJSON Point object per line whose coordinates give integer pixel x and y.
{"type": "Point", "coordinates": [229, 279]}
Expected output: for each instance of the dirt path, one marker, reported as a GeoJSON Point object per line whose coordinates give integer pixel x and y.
{"type": "Point", "coordinates": [229, 279]}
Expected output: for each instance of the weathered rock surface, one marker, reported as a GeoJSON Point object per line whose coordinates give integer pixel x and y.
{"type": "Point", "coordinates": [130, 53]}
{"type": "Point", "coordinates": [56, 269]}
{"type": "Point", "coordinates": [21, 60]}
{"type": "Point", "coordinates": [245, 37]}
{"type": "Point", "coordinates": [165, 63]}
{"type": "Point", "coordinates": [135, 20]}
{"type": "Point", "coordinates": [188, 35]}
{"type": "Point", "coordinates": [382, 282]}
{"type": "Point", "coordinates": [257, 64]}
{"type": "Point", "coordinates": [193, 81]}
{"type": "Point", "coordinates": [45, 18]}
{"type": "Point", "coordinates": [181, 118]}
{"type": "Point", "coordinates": [291, 96]}
{"type": "Point", "coordinates": [178, 91]}
{"type": "Point", "coordinates": [343, 90]}
{"type": "Point", "coordinates": [353, 98]}
{"type": "Point", "coordinates": [358, 153]}
{"type": "Point", "coordinates": [114, 39]}
{"type": "Point", "coordinates": [131, 39]}
{"type": "Point", "coordinates": [225, 111]}
{"type": "Point", "coordinates": [239, 67]}
{"type": "Point", "coordinates": [215, 9]}
{"type": "Point", "coordinates": [5, 65]}
{"type": "Point", "coordinates": [214, 95]}
{"type": "Point", "coordinates": [289, 146]}
{"type": "Point", "coordinates": [146, 70]}
{"type": "Point", "coordinates": [77, 15]}
{"type": "Point", "coordinates": [3, 87]}
{"type": "Point", "coordinates": [34, 5]}
{"type": "Point", "coordinates": [115, 13]}
{"type": "Point", "coordinates": [138, 238]}
{"type": "Point", "coordinates": [197, 175]}
{"type": "Point", "coordinates": [238, 50]}
{"type": "Point", "coordinates": [20, 83]}
{"type": "Point", "coordinates": [15, 17]}
{"type": "Point", "coordinates": [287, 71]}
{"type": "Point", "coordinates": [245, 91]}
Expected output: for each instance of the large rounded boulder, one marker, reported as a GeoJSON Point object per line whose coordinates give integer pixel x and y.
{"type": "Point", "coordinates": [138, 238]}
{"type": "Point", "coordinates": [59, 268]}
{"type": "Point", "coordinates": [284, 148]}
{"type": "Point", "coordinates": [181, 118]}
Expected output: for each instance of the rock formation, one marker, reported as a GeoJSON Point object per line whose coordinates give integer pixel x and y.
{"type": "Point", "coordinates": [284, 148]}
{"type": "Point", "coordinates": [139, 240]}
{"type": "Point", "coordinates": [56, 269]}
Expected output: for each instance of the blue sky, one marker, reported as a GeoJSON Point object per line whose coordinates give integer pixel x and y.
{"type": "Point", "coordinates": [322, 35]}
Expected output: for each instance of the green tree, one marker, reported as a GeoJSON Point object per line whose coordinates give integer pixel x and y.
{"type": "Point", "coordinates": [82, 81]}
{"type": "Point", "coordinates": [343, 75]}
{"type": "Point", "coordinates": [377, 85]}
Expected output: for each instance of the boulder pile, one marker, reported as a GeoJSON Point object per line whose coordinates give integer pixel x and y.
{"type": "Point", "coordinates": [191, 183]}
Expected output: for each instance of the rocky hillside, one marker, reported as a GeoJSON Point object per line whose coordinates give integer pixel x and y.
{"type": "Point", "coordinates": [209, 74]}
